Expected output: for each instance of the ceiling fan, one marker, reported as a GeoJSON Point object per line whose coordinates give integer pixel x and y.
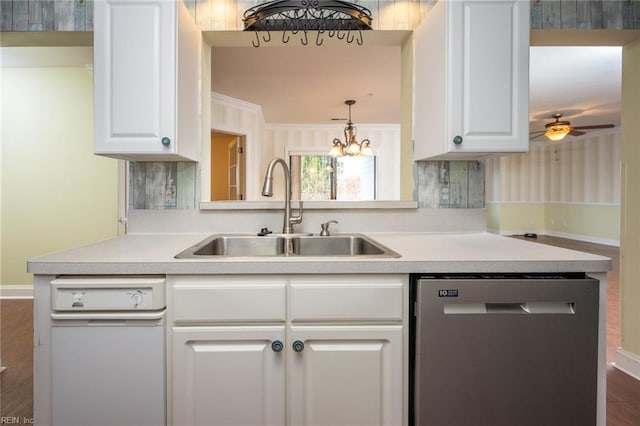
{"type": "Point", "coordinates": [557, 130]}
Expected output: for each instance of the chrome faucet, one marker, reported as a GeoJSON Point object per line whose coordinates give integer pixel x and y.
{"type": "Point", "coordinates": [267, 191]}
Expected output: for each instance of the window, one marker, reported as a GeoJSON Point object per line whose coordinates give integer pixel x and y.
{"type": "Point", "coordinates": [322, 177]}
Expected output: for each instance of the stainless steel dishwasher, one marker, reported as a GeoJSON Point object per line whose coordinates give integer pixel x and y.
{"type": "Point", "coordinates": [504, 349]}
{"type": "Point", "coordinates": [108, 351]}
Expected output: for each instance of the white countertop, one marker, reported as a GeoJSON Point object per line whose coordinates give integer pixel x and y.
{"type": "Point", "coordinates": [420, 253]}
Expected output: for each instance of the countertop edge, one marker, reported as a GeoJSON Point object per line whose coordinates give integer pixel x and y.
{"type": "Point", "coordinates": [420, 253]}
{"type": "Point", "coordinates": [316, 267]}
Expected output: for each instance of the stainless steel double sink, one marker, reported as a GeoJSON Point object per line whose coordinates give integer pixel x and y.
{"type": "Point", "coordinates": [251, 245]}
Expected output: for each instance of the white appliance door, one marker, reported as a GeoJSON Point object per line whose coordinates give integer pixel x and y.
{"type": "Point", "coordinates": [108, 375]}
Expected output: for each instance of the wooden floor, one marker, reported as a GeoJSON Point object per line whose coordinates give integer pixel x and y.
{"type": "Point", "coordinates": [16, 343]}
{"type": "Point", "coordinates": [16, 340]}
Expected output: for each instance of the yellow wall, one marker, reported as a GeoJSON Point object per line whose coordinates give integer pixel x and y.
{"type": "Point", "coordinates": [570, 189]}
{"type": "Point", "coordinates": [515, 218]}
{"type": "Point", "coordinates": [630, 207]}
{"type": "Point", "coordinates": [599, 222]}
{"type": "Point", "coordinates": [593, 222]}
{"type": "Point", "coordinates": [55, 193]}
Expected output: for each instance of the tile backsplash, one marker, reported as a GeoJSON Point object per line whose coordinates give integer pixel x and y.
{"type": "Point", "coordinates": [162, 185]}
{"type": "Point", "coordinates": [449, 184]}
{"type": "Point", "coordinates": [439, 184]}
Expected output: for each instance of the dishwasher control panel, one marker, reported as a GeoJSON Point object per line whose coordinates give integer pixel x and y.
{"type": "Point", "coordinates": [108, 293]}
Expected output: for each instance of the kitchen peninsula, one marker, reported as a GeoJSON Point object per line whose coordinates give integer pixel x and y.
{"type": "Point", "coordinates": [282, 338]}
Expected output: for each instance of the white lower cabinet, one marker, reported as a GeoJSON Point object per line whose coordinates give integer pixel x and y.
{"type": "Point", "coordinates": [329, 350]}
{"type": "Point", "coordinates": [346, 375]}
{"type": "Point", "coordinates": [228, 376]}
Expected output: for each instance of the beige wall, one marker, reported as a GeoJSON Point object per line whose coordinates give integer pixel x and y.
{"type": "Point", "coordinates": [279, 139]}
{"type": "Point", "coordinates": [630, 215]}
{"type": "Point", "coordinates": [570, 189]}
{"type": "Point", "coordinates": [55, 193]}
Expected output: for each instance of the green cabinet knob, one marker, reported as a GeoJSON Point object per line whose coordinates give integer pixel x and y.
{"type": "Point", "coordinates": [166, 141]}
{"type": "Point", "coordinates": [298, 346]}
{"type": "Point", "coordinates": [277, 346]}
{"type": "Point", "coordinates": [457, 140]}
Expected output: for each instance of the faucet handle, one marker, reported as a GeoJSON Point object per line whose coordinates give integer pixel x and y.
{"type": "Point", "coordinates": [325, 228]}
{"type": "Point", "coordinates": [294, 220]}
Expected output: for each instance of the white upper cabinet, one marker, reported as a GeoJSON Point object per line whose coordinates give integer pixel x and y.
{"type": "Point", "coordinates": [471, 80]}
{"type": "Point", "coordinates": [146, 80]}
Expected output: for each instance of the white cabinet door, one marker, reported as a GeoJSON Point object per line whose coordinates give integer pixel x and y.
{"type": "Point", "coordinates": [345, 375]}
{"type": "Point", "coordinates": [471, 80]}
{"type": "Point", "coordinates": [136, 79]}
{"type": "Point", "coordinates": [228, 376]}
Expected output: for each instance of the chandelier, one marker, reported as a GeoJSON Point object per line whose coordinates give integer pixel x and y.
{"type": "Point", "coordinates": [350, 146]}
{"type": "Point", "coordinates": [335, 18]}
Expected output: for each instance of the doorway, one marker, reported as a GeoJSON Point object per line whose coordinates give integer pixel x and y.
{"type": "Point", "coordinates": [228, 164]}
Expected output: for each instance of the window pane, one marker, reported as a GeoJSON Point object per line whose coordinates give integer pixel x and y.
{"type": "Point", "coordinates": [356, 180]}
{"type": "Point", "coordinates": [315, 181]}
{"type": "Point", "coordinates": [321, 177]}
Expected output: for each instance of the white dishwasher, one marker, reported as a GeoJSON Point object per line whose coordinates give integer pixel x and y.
{"type": "Point", "coordinates": [108, 351]}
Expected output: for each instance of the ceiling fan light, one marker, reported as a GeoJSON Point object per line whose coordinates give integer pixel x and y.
{"type": "Point", "coordinates": [557, 133]}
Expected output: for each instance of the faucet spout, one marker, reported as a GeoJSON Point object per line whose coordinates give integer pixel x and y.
{"type": "Point", "coordinates": [267, 191]}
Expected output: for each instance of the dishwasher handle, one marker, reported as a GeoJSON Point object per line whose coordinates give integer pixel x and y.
{"type": "Point", "coordinates": [106, 316]}
{"type": "Point", "coordinates": [523, 308]}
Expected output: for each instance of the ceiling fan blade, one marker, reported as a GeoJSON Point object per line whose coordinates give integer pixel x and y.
{"type": "Point", "coordinates": [538, 132]}
{"type": "Point", "coordinates": [575, 132]}
{"type": "Point", "coordinates": [598, 126]}
{"type": "Point", "coordinates": [537, 136]}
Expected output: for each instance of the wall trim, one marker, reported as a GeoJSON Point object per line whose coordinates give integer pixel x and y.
{"type": "Point", "coordinates": [553, 203]}
{"type": "Point", "coordinates": [236, 103]}
{"type": "Point", "coordinates": [330, 126]}
{"type": "Point", "coordinates": [16, 292]}
{"type": "Point", "coordinates": [584, 238]}
{"type": "Point", "coordinates": [627, 363]}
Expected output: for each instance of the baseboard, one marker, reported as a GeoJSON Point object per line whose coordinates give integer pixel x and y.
{"type": "Point", "coordinates": [16, 292]}
{"type": "Point", "coordinates": [509, 232]}
{"type": "Point", "coordinates": [628, 363]}
{"type": "Point", "coordinates": [585, 238]}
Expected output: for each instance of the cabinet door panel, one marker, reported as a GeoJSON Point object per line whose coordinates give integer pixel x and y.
{"type": "Point", "coordinates": [492, 98]}
{"type": "Point", "coordinates": [349, 375]}
{"type": "Point", "coordinates": [134, 76]}
{"type": "Point", "coordinates": [487, 70]}
{"type": "Point", "coordinates": [227, 376]}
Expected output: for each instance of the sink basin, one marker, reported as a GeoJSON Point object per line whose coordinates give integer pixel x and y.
{"type": "Point", "coordinates": [234, 245]}
{"type": "Point", "coordinates": [339, 245]}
